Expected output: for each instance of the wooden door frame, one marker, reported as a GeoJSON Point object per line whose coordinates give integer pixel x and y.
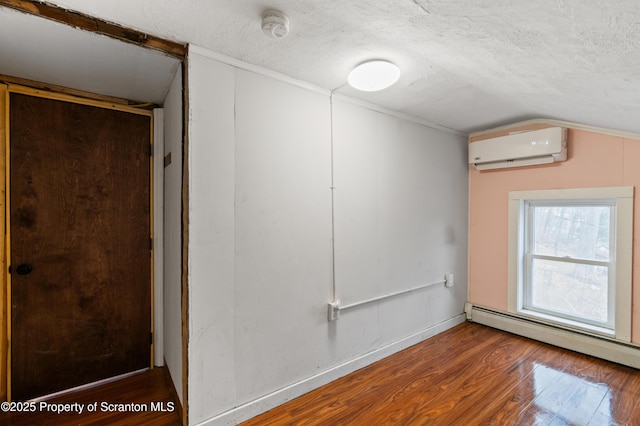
{"type": "Point", "coordinates": [5, 203]}
{"type": "Point", "coordinates": [4, 328]}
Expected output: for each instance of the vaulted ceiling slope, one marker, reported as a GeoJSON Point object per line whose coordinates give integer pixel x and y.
{"type": "Point", "coordinates": [466, 64]}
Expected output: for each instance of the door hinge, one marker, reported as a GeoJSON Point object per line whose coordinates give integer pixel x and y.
{"type": "Point", "coordinates": [150, 243]}
{"type": "Point", "coordinates": [151, 337]}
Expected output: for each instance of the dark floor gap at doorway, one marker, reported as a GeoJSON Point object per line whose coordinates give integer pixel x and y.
{"type": "Point", "coordinates": [146, 398]}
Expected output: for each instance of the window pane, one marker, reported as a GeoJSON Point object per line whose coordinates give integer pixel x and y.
{"type": "Point", "coordinates": [570, 289]}
{"type": "Point", "coordinates": [575, 231]}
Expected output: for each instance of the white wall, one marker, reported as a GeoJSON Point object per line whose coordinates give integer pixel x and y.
{"type": "Point", "coordinates": [173, 232]}
{"type": "Point", "coordinates": [211, 259]}
{"type": "Point", "coordinates": [400, 207]}
{"type": "Point", "coordinates": [260, 229]}
{"type": "Point", "coordinates": [282, 234]}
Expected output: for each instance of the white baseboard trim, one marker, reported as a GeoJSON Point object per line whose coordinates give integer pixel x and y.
{"type": "Point", "coordinates": [599, 347]}
{"type": "Point", "coordinates": [272, 400]}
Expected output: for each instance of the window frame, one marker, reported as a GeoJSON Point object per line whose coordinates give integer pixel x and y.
{"type": "Point", "coordinates": [619, 323]}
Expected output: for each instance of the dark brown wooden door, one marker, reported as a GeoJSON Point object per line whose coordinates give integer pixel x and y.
{"type": "Point", "coordinates": [80, 247]}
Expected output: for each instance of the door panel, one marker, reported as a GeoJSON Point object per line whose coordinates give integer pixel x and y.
{"type": "Point", "coordinates": [80, 218]}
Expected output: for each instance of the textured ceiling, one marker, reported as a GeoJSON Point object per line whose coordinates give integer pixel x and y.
{"type": "Point", "coordinates": [467, 64]}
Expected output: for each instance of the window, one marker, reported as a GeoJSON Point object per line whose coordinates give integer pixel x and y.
{"type": "Point", "coordinates": [570, 258]}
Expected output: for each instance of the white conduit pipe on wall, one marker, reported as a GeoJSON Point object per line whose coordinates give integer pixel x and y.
{"type": "Point", "coordinates": [335, 308]}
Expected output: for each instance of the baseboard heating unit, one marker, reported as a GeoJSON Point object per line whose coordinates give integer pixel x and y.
{"type": "Point", "coordinates": [601, 347]}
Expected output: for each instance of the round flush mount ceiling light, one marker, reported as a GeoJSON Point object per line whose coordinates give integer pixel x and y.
{"type": "Point", "coordinates": [374, 75]}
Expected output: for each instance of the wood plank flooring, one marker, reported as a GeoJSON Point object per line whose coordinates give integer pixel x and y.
{"type": "Point", "coordinates": [472, 375]}
{"type": "Point", "coordinates": [140, 391]}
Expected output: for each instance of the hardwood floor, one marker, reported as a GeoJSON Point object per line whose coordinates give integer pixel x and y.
{"type": "Point", "coordinates": [472, 375]}
{"type": "Point", "coordinates": [147, 394]}
{"type": "Point", "coordinates": [469, 375]}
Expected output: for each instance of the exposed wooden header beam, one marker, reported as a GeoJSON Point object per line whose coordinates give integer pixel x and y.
{"type": "Point", "coordinates": [96, 25]}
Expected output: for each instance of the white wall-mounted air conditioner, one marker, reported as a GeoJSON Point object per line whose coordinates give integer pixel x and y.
{"type": "Point", "coordinates": [520, 149]}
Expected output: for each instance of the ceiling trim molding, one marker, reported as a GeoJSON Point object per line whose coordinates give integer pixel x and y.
{"type": "Point", "coordinates": [98, 26]}
{"type": "Point", "coordinates": [397, 114]}
{"type": "Point", "coordinates": [237, 63]}
{"type": "Point", "coordinates": [558, 123]}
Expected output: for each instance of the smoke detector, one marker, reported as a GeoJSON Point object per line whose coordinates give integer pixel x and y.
{"type": "Point", "coordinates": [275, 24]}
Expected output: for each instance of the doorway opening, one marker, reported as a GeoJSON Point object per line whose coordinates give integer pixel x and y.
{"type": "Point", "coordinates": [78, 253]}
